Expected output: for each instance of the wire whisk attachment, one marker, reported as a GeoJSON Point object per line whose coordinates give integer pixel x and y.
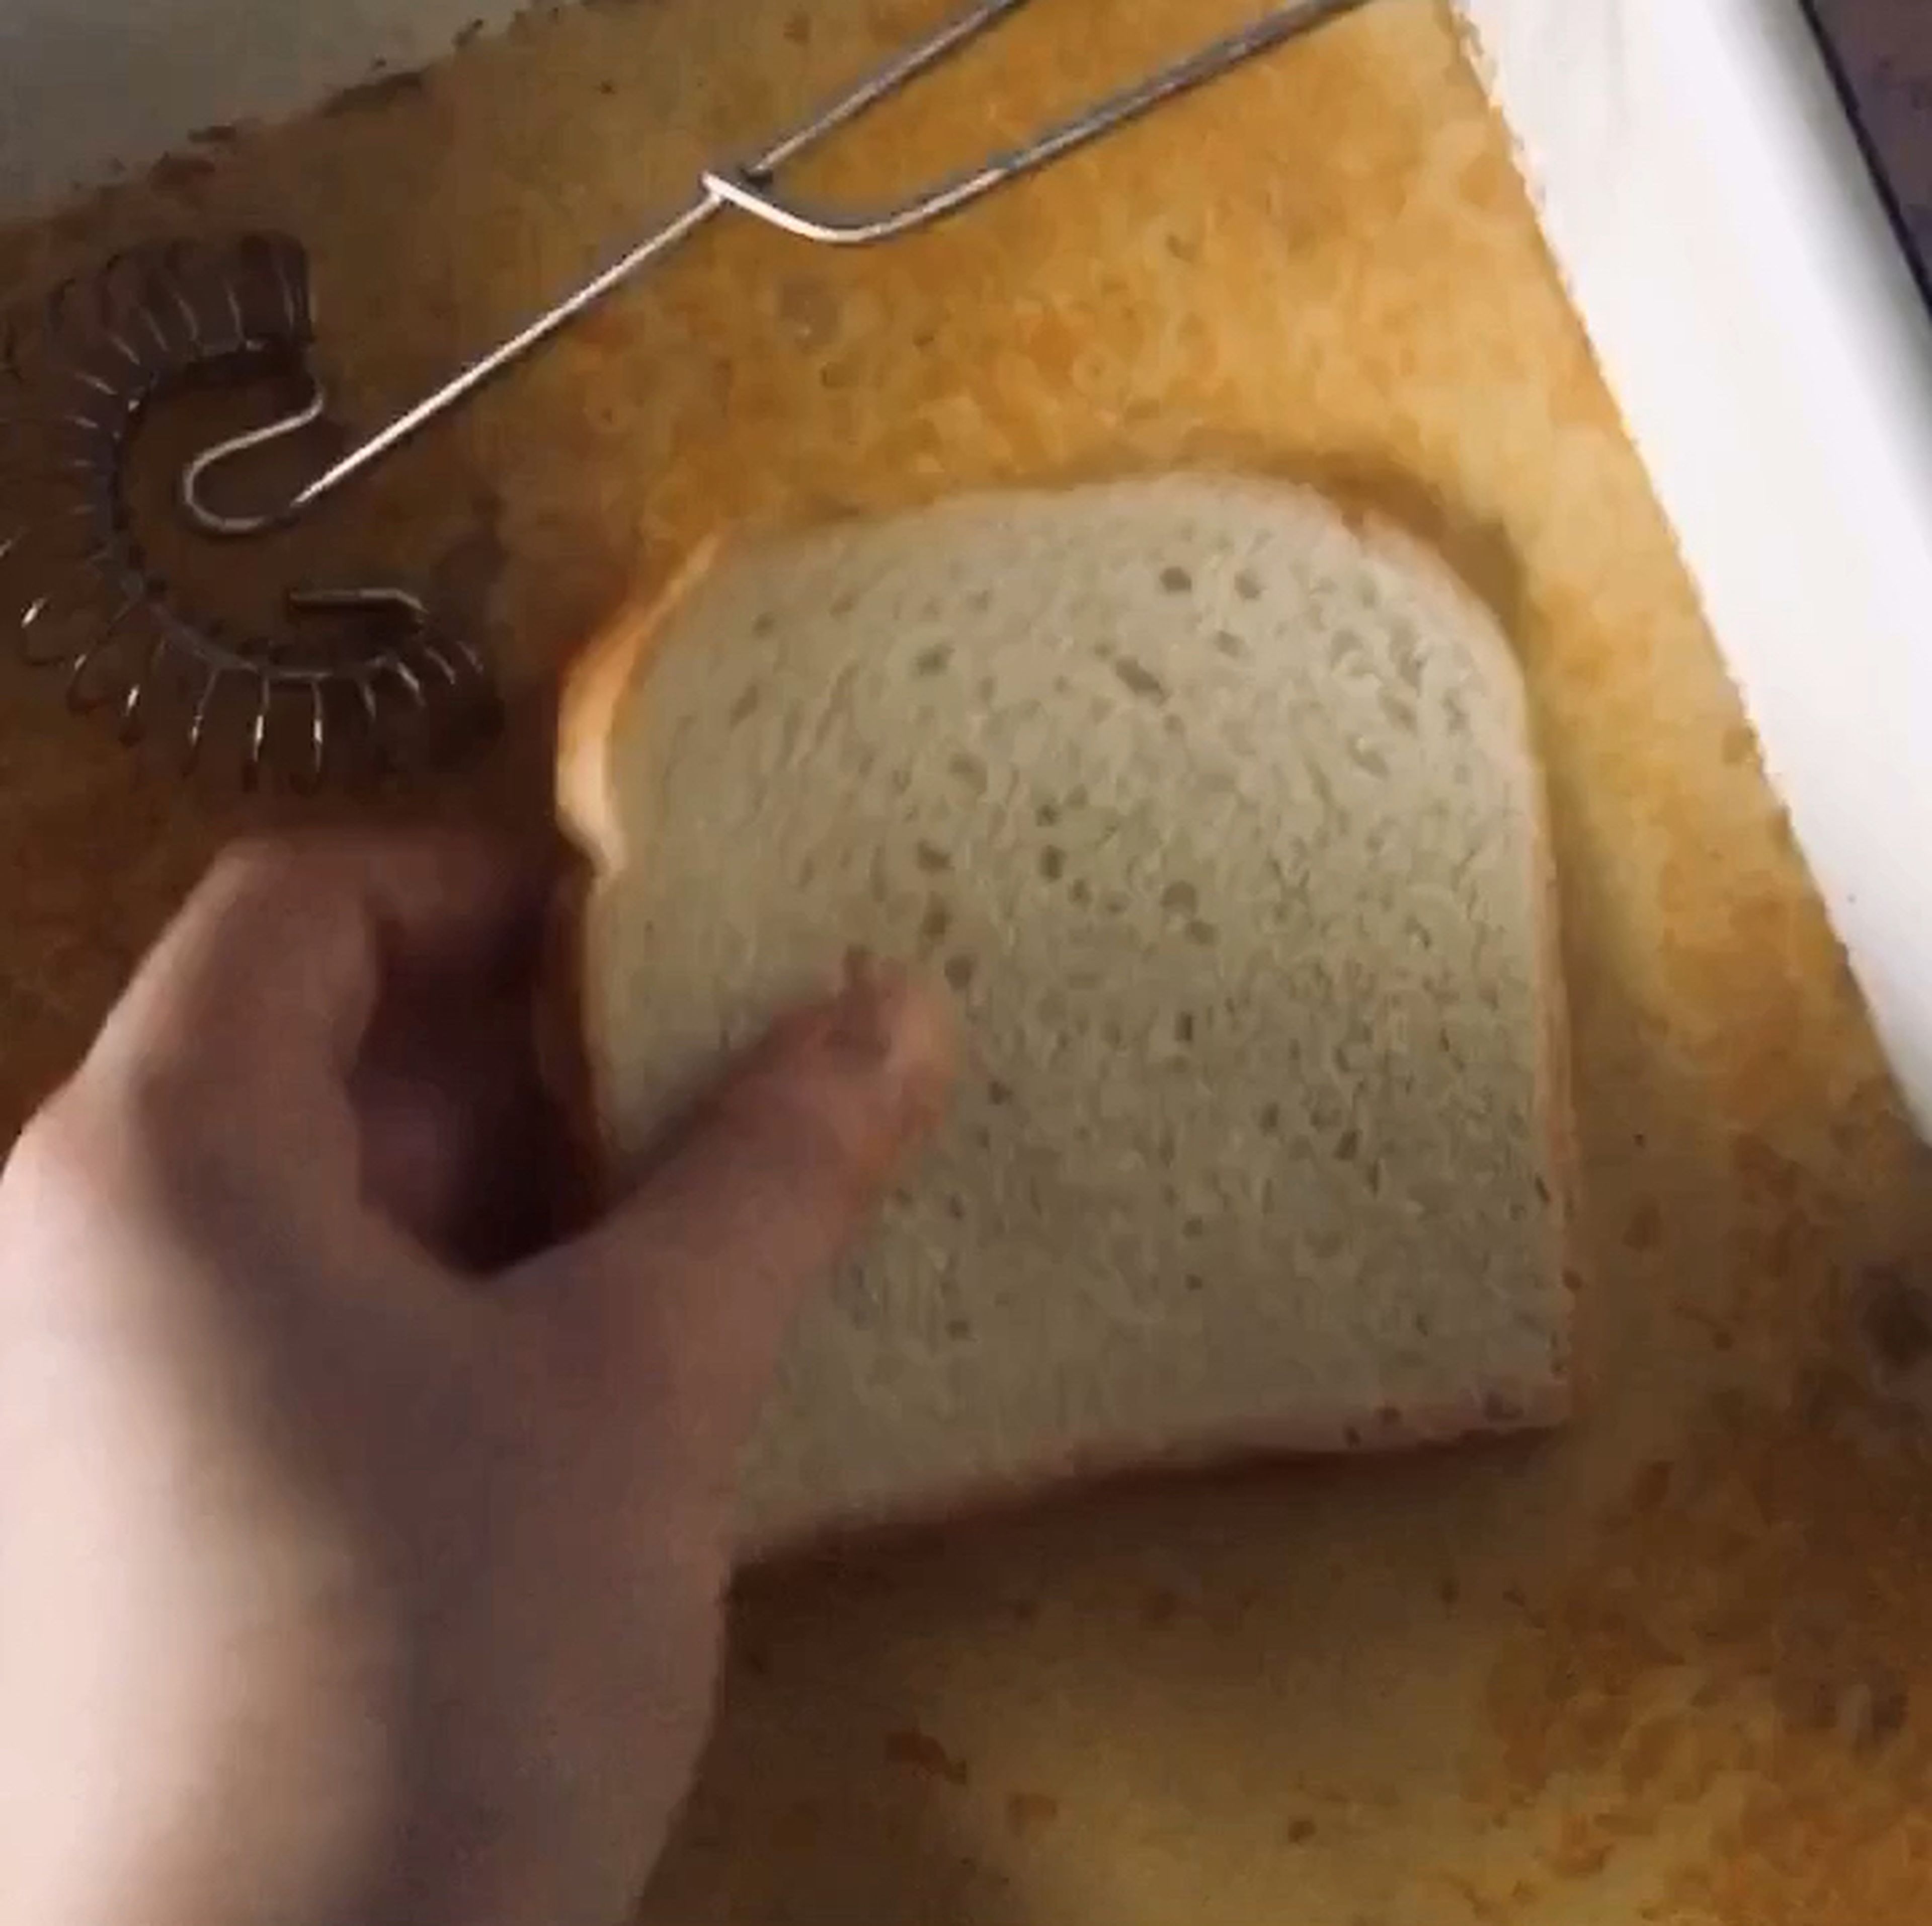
{"type": "Point", "coordinates": [79, 371]}
{"type": "Point", "coordinates": [78, 374]}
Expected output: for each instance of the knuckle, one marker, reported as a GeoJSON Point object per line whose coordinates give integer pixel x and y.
{"type": "Point", "coordinates": [262, 869]}
{"type": "Point", "coordinates": [152, 1114]}
{"type": "Point", "coordinates": [160, 1098]}
{"type": "Point", "coordinates": [41, 1156]}
{"type": "Point", "coordinates": [152, 1135]}
{"type": "Point", "coordinates": [267, 901]}
{"type": "Point", "coordinates": [68, 1155]}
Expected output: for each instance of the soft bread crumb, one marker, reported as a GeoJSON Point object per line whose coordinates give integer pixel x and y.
{"type": "Point", "coordinates": [1220, 819]}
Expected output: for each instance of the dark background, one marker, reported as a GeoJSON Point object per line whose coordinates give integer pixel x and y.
{"type": "Point", "coordinates": [1881, 51]}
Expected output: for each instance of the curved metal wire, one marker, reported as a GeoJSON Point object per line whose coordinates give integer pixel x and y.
{"type": "Point", "coordinates": [79, 371]}
{"type": "Point", "coordinates": [750, 188]}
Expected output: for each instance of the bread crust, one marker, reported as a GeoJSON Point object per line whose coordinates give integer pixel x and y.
{"type": "Point", "coordinates": [1556, 1081]}
{"type": "Point", "coordinates": [595, 686]}
{"type": "Point", "coordinates": [1537, 1411]}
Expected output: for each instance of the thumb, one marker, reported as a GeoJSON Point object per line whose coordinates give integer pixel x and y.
{"type": "Point", "coordinates": [683, 1298]}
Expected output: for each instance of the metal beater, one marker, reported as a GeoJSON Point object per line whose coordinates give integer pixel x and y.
{"type": "Point", "coordinates": [79, 370]}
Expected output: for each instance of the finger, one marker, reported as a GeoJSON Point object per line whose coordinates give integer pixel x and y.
{"type": "Point", "coordinates": [682, 1297]}
{"type": "Point", "coordinates": [463, 1139]}
{"type": "Point", "coordinates": [246, 1020]}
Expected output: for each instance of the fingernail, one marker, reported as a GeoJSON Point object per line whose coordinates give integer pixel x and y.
{"type": "Point", "coordinates": [861, 1028]}
{"type": "Point", "coordinates": [889, 1027]}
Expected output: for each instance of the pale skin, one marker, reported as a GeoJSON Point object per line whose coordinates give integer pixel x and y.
{"type": "Point", "coordinates": [363, 1538]}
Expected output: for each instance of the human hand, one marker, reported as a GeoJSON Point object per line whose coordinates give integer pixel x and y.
{"type": "Point", "coordinates": [356, 1564]}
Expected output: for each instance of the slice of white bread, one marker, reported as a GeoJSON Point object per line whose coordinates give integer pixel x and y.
{"type": "Point", "coordinates": [1221, 818]}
